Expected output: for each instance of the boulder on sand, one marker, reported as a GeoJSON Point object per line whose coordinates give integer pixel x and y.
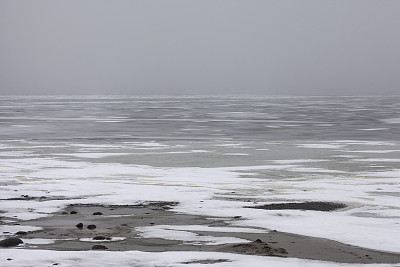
{"type": "Point", "coordinates": [10, 242]}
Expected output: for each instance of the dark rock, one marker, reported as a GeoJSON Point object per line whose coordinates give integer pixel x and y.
{"type": "Point", "coordinates": [79, 225]}
{"type": "Point", "coordinates": [99, 237]}
{"type": "Point", "coordinates": [21, 233]}
{"type": "Point", "coordinates": [281, 250]}
{"type": "Point", "coordinates": [10, 242]}
{"type": "Point", "coordinates": [309, 205]}
{"type": "Point", "coordinates": [73, 212]}
{"type": "Point", "coordinates": [99, 247]}
{"type": "Point", "coordinates": [267, 248]}
{"type": "Point", "coordinates": [97, 213]}
{"type": "Point", "coordinates": [91, 226]}
{"type": "Point", "coordinates": [259, 247]}
{"type": "Point", "coordinates": [9, 259]}
{"type": "Point", "coordinates": [237, 217]}
{"type": "Point", "coordinates": [64, 212]}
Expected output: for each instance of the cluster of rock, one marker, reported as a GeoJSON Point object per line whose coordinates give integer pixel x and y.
{"type": "Point", "coordinates": [92, 227]}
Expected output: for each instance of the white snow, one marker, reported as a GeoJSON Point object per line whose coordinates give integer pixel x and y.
{"type": "Point", "coordinates": [322, 146]}
{"type": "Point", "coordinates": [165, 232]}
{"type": "Point", "coordinates": [185, 233]}
{"type": "Point", "coordinates": [38, 241]}
{"type": "Point", "coordinates": [205, 228]}
{"type": "Point", "coordinates": [209, 191]}
{"type": "Point", "coordinates": [127, 184]}
{"type": "Point", "coordinates": [151, 259]}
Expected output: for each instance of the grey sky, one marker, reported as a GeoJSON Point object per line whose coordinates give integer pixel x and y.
{"type": "Point", "coordinates": [289, 47]}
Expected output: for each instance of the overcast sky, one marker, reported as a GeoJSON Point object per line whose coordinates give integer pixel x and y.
{"type": "Point", "coordinates": [287, 47]}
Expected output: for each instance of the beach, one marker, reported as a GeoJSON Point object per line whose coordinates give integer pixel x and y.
{"type": "Point", "coordinates": [123, 228]}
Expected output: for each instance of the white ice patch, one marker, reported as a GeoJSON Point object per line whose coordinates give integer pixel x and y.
{"type": "Point", "coordinates": [21, 126]}
{"type": "Point", "coordinates": [234, 145]}
{"type": "Point", "coordinates": [38, 241]}
{"type": "Point", "coordinates": [205, 228]}
{"type": "Point", "coordinates": [12, 229]}
{"type": "Point", "coordinates": [373, 129]}
{"type": "Point", "coordinates": [94, 155]}
{"type": "Point", "coordinates": [366, 143]}
{"type": "Point", "coordinates": [375, 151]}
{"type": "Point", "coordinates": [147, 144]}
{"type": "Point", "coordinates": [173, 233]}
{"type": "Point", "coordinates": [112, 239]}
{"type": "Point", "coordinates": [311, 170]}
{"type": "Point", "coordinates": [153, 259]}
{"type": "Point", "coordinates": [377, 160]}
{"type": "Point", "coordinates": [15, 154]}
{"type": "Point", "coordinates": [322, 146]}
{"type": "Point", "coordinates": [294, 161]}
{"type": "Point", "coordinates": [395, 173]}
{"type": "Point", "coordinates": [345, 156]}
{"type": "Point", "coordinates": [391, 120]}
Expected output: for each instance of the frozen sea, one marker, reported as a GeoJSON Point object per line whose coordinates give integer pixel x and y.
{"type": "Point", "coordinates": [214, 155]}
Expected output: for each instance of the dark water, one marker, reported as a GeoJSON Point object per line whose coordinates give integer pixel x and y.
{"type": "Point", "coordinates": [199, 118]}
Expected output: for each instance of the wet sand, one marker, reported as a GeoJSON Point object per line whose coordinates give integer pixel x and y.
{"type": "Point", "coordinates": [115, 231]}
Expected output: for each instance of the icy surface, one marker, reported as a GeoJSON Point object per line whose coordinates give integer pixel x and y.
{"type": "Point", "coordinates": [208, 191]}
{"type": "Point", "coordinates": [38, 241]}
{"type": "Point", "coordinates": [186, 236]}
{"type": "Point", "coordinates": [146, 259]}
{"type": "Point", "coordinates": [112, 239]}
{"type": "Point", "coordinates": [215, 156]}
